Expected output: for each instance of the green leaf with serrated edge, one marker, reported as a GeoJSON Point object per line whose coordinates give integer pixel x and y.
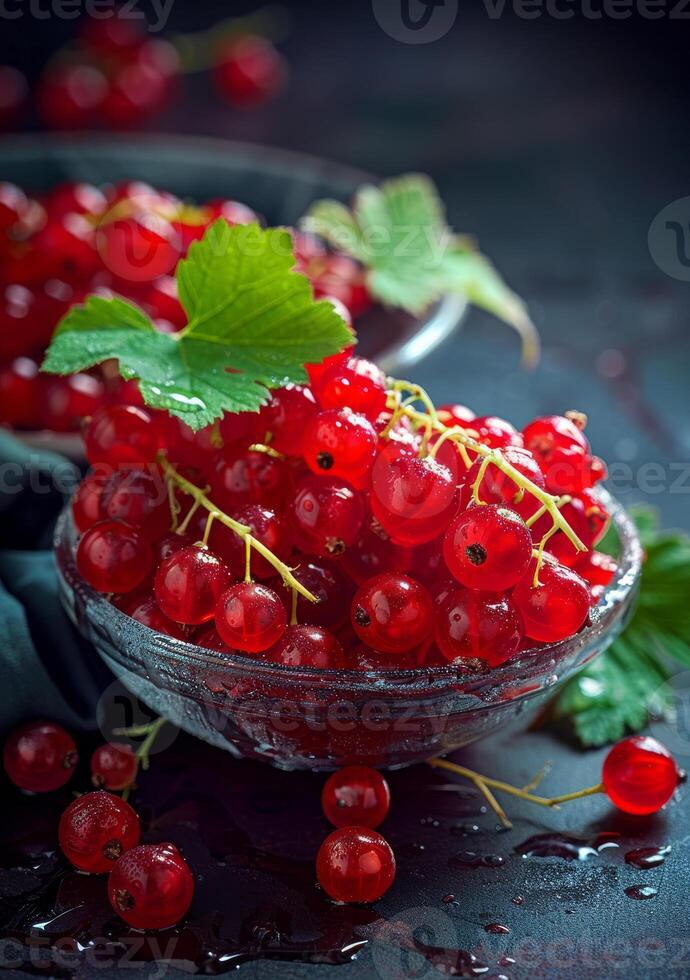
{"type": "Point", "coordinates": [253, 325]}
{"type": "Point", "coordinates": [620, 691]}
{"type": "Point", "coordinates": [398, 231]}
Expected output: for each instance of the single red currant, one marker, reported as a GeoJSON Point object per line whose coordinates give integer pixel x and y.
{"type": "Point", "coordinates": [121, 434]}
{"type": "Point", "coordinates": [496, 487]}
{"type": "Point", "coordinates": [250, 617]}
{"type": "Point", "coordinates": [69, 400]}
{"type": "Point", "coordinates": [266, 527]}
{"type": "Point", "coordinates": [596, 568]}
{"type": "Point", "coordinates": [86, 502]}
{"type": "Point", "coordinates": [563, 452]}
{"type": "Point", "coordinates": [13, 206]}
{"type": "Point", "coordinates": [40, 757]}
{"type": "Point", "coordinates": [374, 553]}
{"type": "Point", "coordinates": [355, 864]}
{"type": "Point", "coordinates": [557, 607]}
{"type": "Point", "coordinates": [392, 613]}
{"type": "Point", "coordinates": [476, 626]}
{"type": "Point", "coordinates": [140, 498]}
{"type": "Point", "coordinates": [286, 417]}
{"type": "Point", "coordinates": [113, 557]}
{"type": "Point", "coordinates": [137, 91]}
{"type": "Point", "coordinates": [96, 829]}
{"type": "Point", "coordinates": [326, 515]}
{"type": "Point", "coordinates": [340, 443]}
{"type": "Point", "coordinates": [113, 766]}
{"type": "Point", "coordinates": [330, 586]}
{"type": "Point", "coordinates": [412, 498]}
{"type": "Point", "coordinates": [70, 96]}
{"type": "Point", "coordinates": [189, 583]}
{"type": "Point", "coordinates": [496, 432]}
{"type": "Point", "coordinates": [639, 775]}
{"type": "Point", "coordinates": [151, 886]}
{"type": "Point", "coordinates": [356, 796]}
{"type": "Point", "coordinates": [307, 646]}
{"type": "Point", "coordinates": [145, 610]}
{"type": "Point", "coordinates": [249, 71]}
{"type": "Point", "coordinates": [452, 415]}
{"type": "Point", "coordinates": [488, 547]}
{"type": "Point", "coordinates": [139, 248]}
{"type": "Point", "coordinates": [237, 477]}
{"type": "Point", "coordinates": [357, 384]}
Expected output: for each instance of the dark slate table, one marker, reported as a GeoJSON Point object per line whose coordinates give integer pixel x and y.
{"type": "Point", "coordinates": [557, 143]}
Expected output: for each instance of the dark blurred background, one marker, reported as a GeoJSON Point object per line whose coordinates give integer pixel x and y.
{"type": "Point", "coordinates": [555, 140]}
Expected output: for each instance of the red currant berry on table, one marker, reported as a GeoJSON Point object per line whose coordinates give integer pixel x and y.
{"type": "Point", "coordinates": [307, 646]}
{"type": "Point", "coordinates": [392, 613]}
{"type": "Point", "coordinates": [136, 92]}
{"type": "Point", "coordinates": [340, 443]}
{"type": "Point", "coordinates": [477, 626]}
{"type": "Point", "coordinates": [557, 607]}
{"type": "Point", "coordinates": [70, 96]}
{"type": "Point", "coordinates": [412, 498]}
{"type": "Point", "coordinates": [145, 610]}
{"type": "Point", "coordinates": [113, 766]}
{"type": "Point", "coordinates": [356, 796]}
{"type": "Point", "coordinates": [40, 757]}
{"type": "Point", "coordinates": [113, 557]}
{"type": "Point", "coordinates": [151, 886]}
{"type": "Point", "coordinates": [238, 477]}
{"type": "Point", "coordinates": [122, 435]}
{"type": "Point", "coordinates": [249, 71]}
{"type": "Point", "coordinates": [639, 775]}
{"type": "Point", "coordinates": [96, 829]}
{"type": "Point", "coordinates": [326, 515]}
{"type": "Point", "coordinates": [357, 384]}
{"type": "Point", "coordinates": [266, 527]}
{"type": "Point", "coordinates": [488, 547]}
{"type": "Point", "coordinates": [250, 617]}
{"type": "Point", "coordinates": [355, 864]}
{"type": "Point", "coordinates": [188, 585]}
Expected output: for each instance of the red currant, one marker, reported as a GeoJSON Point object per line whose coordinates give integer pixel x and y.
{"type": "Point", "coordinates": [78, 198]}
{"type": "Point", "coordinates": [332, 589]}
{"type": "Point", "coordinates": [307, 646]}
{"type": "Point", "coordinates": [139, 248]}
{"type": "Point", "coordinates": [113, 557]}
{"type": "Point", "coordinates": [238, 476]}
{"type": "Point", "coordinates": [340, 277]}
{"type": "Point", "coordinates": [69, 97]}
{"type": "Point", "coordinates": [356, 796]}
{"type": "Point", "coordinates": [596, 568]}
{"type": "Point", "coordinates": [250, 617]}
{"type": "Point", "coordinates": [140, 498]}
{"type": "Point", "coordinates": [413, 498]}
{"type": "Point", "coordinates": [357, 384]}
{"type": "Point", "coordinates": [14, 89]}
{"type": "Point", "coordinates": [286, 417]}
{"type": "Point", "coordinates": [40, 757]}
{"type": "Point", "coordinates": [249, 71]}
{"type": "Point", "coordinates": [234, 212]}
{"type": "Point", "coordinates": [477, 626]}
{"type": "Point", "coordinates": [497, 487]}
{"type": "Point", "coordinates": [557, 607]}
{"type": "Point", "coordinates": [340, 443]}
{"type": "Point", "coordinates": [122, 434]}
{"type": "Point", "coordinates": [115, 36]}
{"type": "Point", "coordinates": [392, 613]}
{"type": "Point", "coordinates": [274, 532]}
{"type": "Point", "coordinates": [488, 547]}
{"type": "Point", "coordinates": [21, 385]}
{"type": "Point", "coordinates": [452, 415]}
{"type": "Point", "coordinates": [374, 553]}
{"type": "Point", "coordinates": [355, 864]}
{"type": "Point", "coordinates": [145, 610]}
{"type": "Point", "coordinates": [68, 400]}
{"type": "Point", "coordinates": [563, 452]}
{"type": "Point", "coordinates": [189, 583]}
{"type": "Point", "coordinates": [96, 829]}
{"type": "Point", "coordinates": [496, 432]}
{"type": "Point", "coordinates": [639, 775]}
{"type": "Point", "coordinates": [113, 766]}
{"type": "Point", "coordinates": [136, 91]}
{"type": "Point", "coordinates": [86, 502]}
{"type": "Point", "coordinates": [151, 886]}
{"type": "Point", "coordinates": [326, 515]}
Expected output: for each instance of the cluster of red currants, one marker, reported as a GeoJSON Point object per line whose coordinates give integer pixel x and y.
{"type": "Point", "coordinates": [150, 886]}
{"type": "Point", "coordinates": [117, 75]}
{"type": "Point", "coordinates": [417, 553]}
{"type": "Point", "coordinates": [122, 240]}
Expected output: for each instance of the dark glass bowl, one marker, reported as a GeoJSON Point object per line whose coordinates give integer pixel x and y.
{"type": "Point", "coordinates": [278, 184]}
{"type": "Point", "coordinates": [298, 718]}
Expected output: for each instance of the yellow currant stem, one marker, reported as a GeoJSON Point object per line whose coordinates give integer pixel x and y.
{"type": "Point", "coordinates": [493, 803]}
{"type": "Point", "coordinates": [293, 611]}
{"type": "Point", "coordinates": [174, 507]}
{"type": "Point", "coordinates": [261, 447]}
{"type": "Point", "coordinates": [444, 437]}
{"type": "Point", "coordinates": [190, 514]}
{"type": "Point", "coordinates": [247, 559]}
{"type": "Point", "coordinates": [207, 530]}
{"type": "Point", "coordinates": [481, 782]}
{"type": "Point", "coordinates": [535, 516]}
{"type": "Point", "coordinates": [241, 530]}
{"type": "Point", "coordinates": [478, 482]}
{"type": "Point", "coordinates": [536, 780]}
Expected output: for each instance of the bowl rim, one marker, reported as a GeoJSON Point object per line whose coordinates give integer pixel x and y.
{"type": "Point", "coordinates": [604, 617]}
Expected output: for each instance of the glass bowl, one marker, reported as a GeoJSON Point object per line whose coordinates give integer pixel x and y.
{"type": "Point", "coordinates": [298, 718]}
{"type": "Point", "coordinates": [278, 184]}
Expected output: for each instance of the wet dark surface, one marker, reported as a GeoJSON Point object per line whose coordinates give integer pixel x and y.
{"type": "Point", "coordinates": [552, 894]}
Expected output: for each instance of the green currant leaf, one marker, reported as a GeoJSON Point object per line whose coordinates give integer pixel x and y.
{"type": "Point", "coordinates": [398, 231]}
{"type": "Point", "coordinates": [620, 691]}
{"type": "Point", "coordinates": [253, 325]}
